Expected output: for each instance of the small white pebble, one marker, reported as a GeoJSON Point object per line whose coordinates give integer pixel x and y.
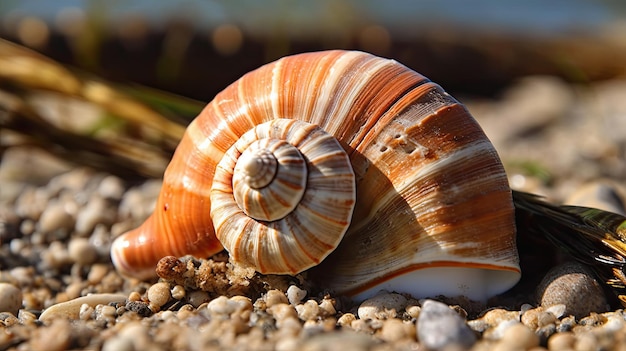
{"type": "Point", "coordinates": [274, 297]}
{"type": "Point", "coordinates": [295, 294]}
{"type": "Point", "coordinates": [327, 307]}
{"type": "Point", "coordinates": [413, 311]}
{"type": "Point", "coordinates": [85, 312]}
{"type": "Point", "coordinates": [282, 311]}
{"type": "Point", "coordinates": [221, 306]}
{"type": "Point", "coordinates": [346, 319]}
{"type": "Point", "coordinates": [105, 313]}
{"type": "Point", "coordinates": [107, 310]}
{"type": "Point", "coordinates": [557, 310]}
{"type": "Point", "coordinates": [243, 303]}
{"type": "Point", "coordinates": [308, 310]}
{"type": "Point", "coordinates": [178, 292]}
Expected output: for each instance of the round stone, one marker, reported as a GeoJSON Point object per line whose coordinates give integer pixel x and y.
{"type": "Point", "coordinates": [573, 285]}
{"type": "Point", "coordinates": [10, 298]}
{"type": "Point", "coordinates": [159, 294]}
{"type": "Point", "coordinates": [81, 251]}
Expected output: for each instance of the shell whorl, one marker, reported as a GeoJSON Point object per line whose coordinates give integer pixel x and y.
{"type": "Point", "coordinates": [303, 210]}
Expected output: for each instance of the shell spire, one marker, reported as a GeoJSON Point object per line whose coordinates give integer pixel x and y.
{"type": "Point", "coordinates": [297, 219]}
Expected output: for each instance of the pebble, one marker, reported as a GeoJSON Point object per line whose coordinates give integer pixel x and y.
{"type": "Point", "coordinates": [530, 318]}
{"type": "Point", "coordinates": [493, 318]}
{"type": "Point", "coordinates": [225, 307]}
{"type": "Point", "coordinates": [221, 306]}
{"type": "Point", "coordinates": [81, 251]}
{"type": "Point", "coordinates": [395, 329]}
{"type": "Point", "coordinates": [71, 309]}
{"type": "Point", "coordinates": [8, 319]}
{"type": "Point", "coordinates": [274, 297]}
{"type": "Point", "coordinates": [10, 298]}
{"type": "Point", "coordinates": [111, 188]}
{"type": "Point", "coordinates": [573, 285]}
{"type": "Point", "coordinates": [133, 336]}
{"type": "Point", "coordinates": [439, 327]}
{"type": "Point", "coordinates": [346, 319]}
{"type": "Point", "coordinates": [97, 211]}
{"type": "Point", "coordinates": [561, 341]}
{"type": "Point", "coordinates": [518, 337]}
{"type": "Point", "coordinates": [412, 311]}
{"type": "Point", "coordinates": [97, 272]}
{"type": "Point", "coordinates": [382, 306]}
{"type": "Point", "coordinates": [327, 307]}
{"type": "Point", "coordinates": [308, 310]}
{"type": "Point", "coordinates": [586, 341]}
{"type": "Point", "coordinates": [159, 294]}
{"type": "Point", "coordinates": [178, 292]}
{"type": "Point", "coordinates": [54, 218]}
{"type": "Point", "coordinates": [295, 294]}
{"type": "Point", "coordinates": [32, 202]}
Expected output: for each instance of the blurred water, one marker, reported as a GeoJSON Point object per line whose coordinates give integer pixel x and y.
{"type": "Point", "coordinates": [305, 17]}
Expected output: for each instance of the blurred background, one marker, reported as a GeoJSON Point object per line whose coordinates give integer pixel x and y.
{"type": "Point", "coordinates": [546, 80]}
{"type": "Point", "coordinates": [196, 47]}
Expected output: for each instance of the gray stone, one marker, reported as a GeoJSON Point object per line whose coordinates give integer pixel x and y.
{"type": "Point", "coordinates": [439, 327]}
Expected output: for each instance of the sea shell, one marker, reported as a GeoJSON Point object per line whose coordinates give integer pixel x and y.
{"type": "Point", "coordinates": [432, 213]}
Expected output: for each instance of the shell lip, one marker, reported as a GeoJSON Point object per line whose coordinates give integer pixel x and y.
{"type": "Point", "coordinates": [118, 257]}
{"type": "Point", "coordinates": [362, 291]}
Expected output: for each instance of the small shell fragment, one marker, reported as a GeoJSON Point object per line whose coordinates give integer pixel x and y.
{"type": "Point", "coordinates": [71, 309]}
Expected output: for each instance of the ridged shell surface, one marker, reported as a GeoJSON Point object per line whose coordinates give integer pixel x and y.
{"type": "Point", "coordinates": [431, 191]}
{"type": "Point", "coordinates": [305, 209]}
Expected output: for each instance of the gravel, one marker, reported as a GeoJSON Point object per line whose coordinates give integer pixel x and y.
{"type": "Point", "coordinates": [59, 290]}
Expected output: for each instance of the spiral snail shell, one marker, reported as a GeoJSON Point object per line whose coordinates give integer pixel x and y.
{"type": "Point", "coordinates": [342, 161]}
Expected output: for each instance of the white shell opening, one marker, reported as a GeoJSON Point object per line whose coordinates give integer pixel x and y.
{"type": "Point", "coordinates": [474, 283]}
